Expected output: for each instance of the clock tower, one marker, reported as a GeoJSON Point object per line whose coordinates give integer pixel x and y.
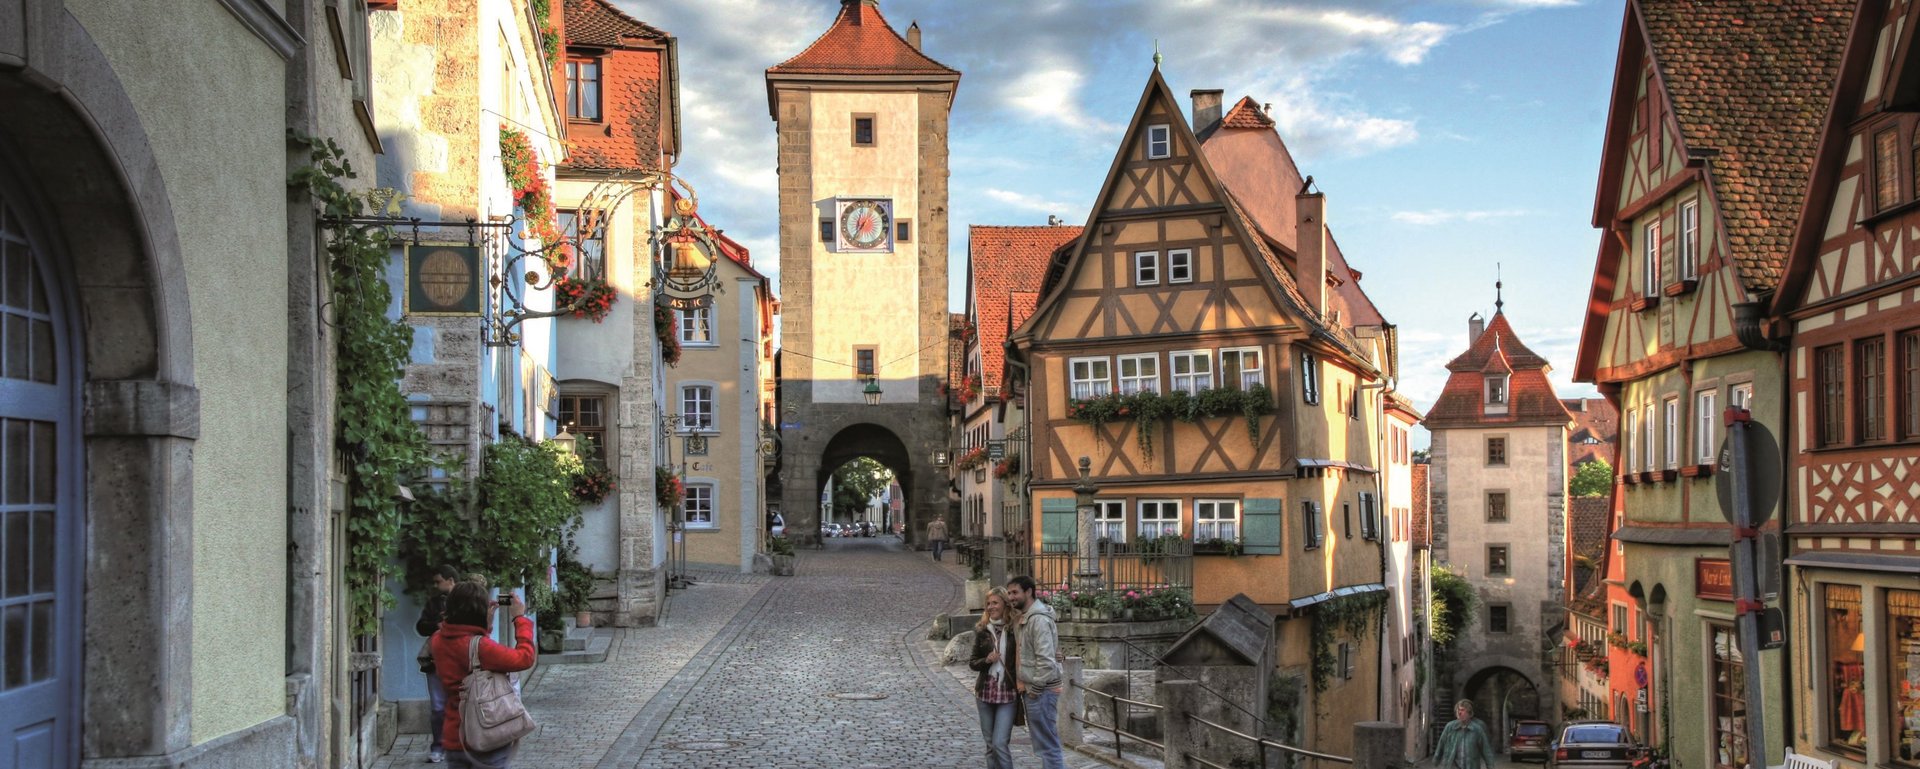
{"type": "Point", "coordinates": [861, 117]}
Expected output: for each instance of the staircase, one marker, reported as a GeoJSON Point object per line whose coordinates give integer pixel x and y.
{"type": "Point", "coordinates": [582, 645]}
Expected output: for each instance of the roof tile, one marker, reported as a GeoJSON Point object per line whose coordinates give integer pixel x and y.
{"type": "Point", "coordinates": [1007, 261]}
{"type": "Point", "coordinates": [598, 23]}
{"type": "Point", "coordinates": [860, 42]}
{"type": "Point", "coordinates": [1530, 397]}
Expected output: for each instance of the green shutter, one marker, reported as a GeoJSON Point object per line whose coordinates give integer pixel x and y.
{"type": "Point", "coordinates": [1058, 526]}
{"type": "Point", "coordinates": [1260, 527]}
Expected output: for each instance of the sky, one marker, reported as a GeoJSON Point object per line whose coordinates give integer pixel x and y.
{"type": "Point", "coordinates": [1456, 140]}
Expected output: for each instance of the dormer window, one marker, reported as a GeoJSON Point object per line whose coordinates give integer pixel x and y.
{"type": "Point", "coordinates": [1159, 141]}
{"type": "Point", "coordinates": [1497, 390]}
{"type": "Point", "coordinates": [583, 89]}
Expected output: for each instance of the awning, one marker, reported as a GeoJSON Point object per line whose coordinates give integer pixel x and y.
{"type": "Point", "coordinates": [1305, 462]}
{"type": "Point", "coordinates": [1904, 564]}
{"type": "Point", "coordinates": [1721, 536]}
{"type": "Point", "coordinates": [1338, 592]}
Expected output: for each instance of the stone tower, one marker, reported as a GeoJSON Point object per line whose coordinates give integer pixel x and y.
{"type": "Point", "coordinates": [861, 116]}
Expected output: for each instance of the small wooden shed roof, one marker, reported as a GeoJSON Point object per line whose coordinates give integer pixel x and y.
{"type": "Point", "coordinates": [1237, 633]}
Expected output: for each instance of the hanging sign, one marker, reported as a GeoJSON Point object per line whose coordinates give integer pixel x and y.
{"type": "Point", "coordinates": [444, 280]}
{"type": "Point", "coordinates": [1713, 578]}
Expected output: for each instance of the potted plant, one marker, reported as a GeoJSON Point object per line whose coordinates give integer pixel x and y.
{"type": "Point", "coordinates": [977, 584]}
{"type": "Point", "coordinates": [1217, 546]}
{"type": "Point", "coordinates": [576, 585]}
{"type": "Point", "coordinates": [780, 549]}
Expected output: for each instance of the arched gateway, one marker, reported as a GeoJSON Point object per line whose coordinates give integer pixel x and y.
{"type": "Point", "coordinates": [862, 121]}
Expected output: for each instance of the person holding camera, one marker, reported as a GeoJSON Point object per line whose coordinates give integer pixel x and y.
{"type": "Point", "coordinates": [431, 615]}
{"type": "Point", "coordinates": [469, 614]}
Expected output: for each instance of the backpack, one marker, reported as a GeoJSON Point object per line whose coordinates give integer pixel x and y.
{"type": "Point", "coordinates": [491, 715]}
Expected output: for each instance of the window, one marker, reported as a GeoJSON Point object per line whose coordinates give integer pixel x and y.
{"type": "Point", "coordinates": [1312, 526]}
{"type": "Point", "coordinates": [1620, 619]}
{"type": "Point", "coordinates": [1159, 518]}
{"type": "Point", "coordinates": [1705, 428]}
{"type": "Point", "coordinates": [1369, 517]}
{"type": "Point", "coordinates": [1633, 440]}
{"type": "Point", "coordinates": [1091, 377]}
{"type": "Point", "coordinates": [1496, 391]}
{"type": "Point", "coordinates": [862, 130]}
{"type": "Point", "coordinates": [1829, 371]}
{"type": "Point", "coordinates": [1110, 520]}
{"type": "Point", "coordinates": [1870, 388]}
{"type": "Point", "coordinates": [1192, 371]}
{"type": "Point", "coordinates": [1180, 265]}
{"type": "Point", "coordinates": [903, 230]}
{"type": "Point", "coordinates": [1216, 519]}
{"type": "Point", "coordinates": [1497, 565]}
{"type": "Point", "coordinates": [1496, 451]}
{"type": "Point", "coordinates": [591, 241]}
{"type": "Point", "coordinates": [1159, 141]}
{"type": "Point", "coordinates": [1646, 437]}
{"type": "Point", "coordinates": [1740, 396]}
{"type": "Point", "coordinates": [1353, 402]}
{"type": "Point", "coordinates": [1728, 679]}
{"type": "Point", "coordinates": [1886, 169]}
{"type": "Point", "coordinates": [1139, 373]}
{"type": "Point", "coordinates": [1689, 245]}
{"type": "Point", "coordinates": [1650, 264]}
{"type": "Point", "coordinates": [1309, 378]}
{"type": "Point", "coordinates": [1845, 700]}
{"type": "Point", "coordinates": [1910, 383]}
{"type": "Point", "coordinates": [1671, 431]}
{"type": "Point", "coordinates": [826, 230]}
{"type": "Point", "coordinates": [583, 89]}
{"type": "Point", "coordinates": [1146, 268]}
{"type": "Point", "coordinates": [1240, 367]}
{"type": "Point", "coordinates": [1347, 658]}
{"type": "Point", "coordinates": [1496, 507]}
{"type": "Point", "coordinates": [1499, 618]}
{"type": "Point", "coordinates": [696, 407]}
{"type": "Point", "coordinates": [1346, 519]}
{"type": "Point", "coordinates": [865, 363]}
{"type": "Point", "coordinates": [696, 325]}
{"type": "Point", "coordinates": [1903, 665]}
{"type": "Point", "coordinates": [585, 417]}
{"type": "Point", "coordinates": [699, 505]}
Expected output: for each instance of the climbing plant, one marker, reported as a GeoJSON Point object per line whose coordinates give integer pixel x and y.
{"type": "Point", "coordinates": [373, 426]}
{"type": "Point", "coordinates": [1353, 614]}
{"type": "Point", "coordinates": [526, 509]}
{"type": "Point", "coordinates": [1451, 608]}
{"type": "Point", "coordinates": [1147, 408]}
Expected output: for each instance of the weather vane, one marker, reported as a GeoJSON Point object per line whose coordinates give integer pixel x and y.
{"type": "Point", "coordinates": [1157, 58]}
{"type": "Point", "coordinates": [1497, 301]}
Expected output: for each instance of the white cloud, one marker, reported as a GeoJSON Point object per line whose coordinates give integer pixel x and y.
{"type": "Point", "coordinates": [1033, 203]}
{"type": "Point", "coordinates": [1433, 216]}
{"type": "Point", "coordinates": [1050, 93]}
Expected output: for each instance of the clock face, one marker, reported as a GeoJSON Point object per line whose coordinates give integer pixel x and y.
{"type": "Point", "coordinates": [864, 224]}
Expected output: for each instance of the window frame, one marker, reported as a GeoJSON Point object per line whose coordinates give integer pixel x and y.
{"type": "Point", "coordinates": [1215, 520]}
{"type": "Point", "coordinates": [1182, 264]}
{"type": "Point", "coordinates": [1310, 378]}
{"type": "Point", "coordinates": [1650, 257]}
{"type": "Point", "coordinates": [1101, 521]}
{"type": "Point", "coordinates": [712, 505]}
{"type": "Point", "coordinates": [1876, 160]}
{"type": "Point", "coordinates": [1670, 439]}
{"type": "Point", "coordinates": [706, 425]}
{"type": "Point", "coordinates": [1146, 272]}
{"type": "Point", "coordinates": [1505, 507]}
{"type": "Point", "coordinates": [1193, 377]}
{"type": "Point", "coordinates": [1160, 520]}
{"type": "Point", "coordinates": [1257, 375]}
{"type": "Point", "coordinates": [1506, 558]}
{"type": "Point", "coordinates": [1165, 141]}
{"type": "Point", "coordinates": [1313, 519]}
{"type": "Point", "coordinates": [1705, 427]}
{"type": "Point", "coordinates": [1907, 390]}
{"type": "Point", "coordinates": [827, 232]}
{"type": "Point", "coordinates": [1830, 393]}
{"type": "Point", "coordinates": [863, 354]}
{"type": "Point", "coordinates": [1832, 660]}
{"type": "Point", "coordinates": [873, 129]}
{"type": "Point", "coordinates": [681, 318]}
{"type": "Point", "coordinates": [903, 230]}
{"type": "Point", "coordinates": [569, 403]}
{"type": "Point", "coordinates": [1493, 459]}
{"type": "Point", "coordinates": [1489, 390]}
{"type": "Point", "coordinates": [1096, 387]}
{"type": "Point", "coordinates": [1506, 618]}
{"type": "Point", "coordinates": [1688, 243]}
{"type": "Point", "coordinates": [592, 252]}
{"type": "Point", "coordinates": [1649, 457]}
{"type": "Point", "coordinates": [1632, 434]}
{"type": "Point", "coordinates": [1869, 389]}
{"type": "Point", "coordinates": [1369, 517]}
{"type": "Point", "coordinates": [576, 100]}
{"type": "Point", "coordinates": [1140, 382]}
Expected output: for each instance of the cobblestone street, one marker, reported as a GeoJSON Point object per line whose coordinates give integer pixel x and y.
{"type": "Point", "coordinates": [745, 675]}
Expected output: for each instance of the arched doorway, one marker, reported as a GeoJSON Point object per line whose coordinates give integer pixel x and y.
{"type": "Point", "coordinates": [1502, 696]}
{"type": "Point", "coordinates": [869, 441]}
{"type": "Point", "coordinates": [40, 515]}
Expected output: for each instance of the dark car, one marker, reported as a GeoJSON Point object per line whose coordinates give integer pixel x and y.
{"type": "Point", "coordinates": [1529, 741]}
{"type": "Point", "coordinates": [1594, 745]}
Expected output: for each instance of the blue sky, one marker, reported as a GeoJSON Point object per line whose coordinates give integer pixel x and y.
{"type": "Point", "coordinates": [1448, 135]}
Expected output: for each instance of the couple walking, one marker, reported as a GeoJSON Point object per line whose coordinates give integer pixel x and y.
{"type": "Point", "coordinates": [1016, 653]}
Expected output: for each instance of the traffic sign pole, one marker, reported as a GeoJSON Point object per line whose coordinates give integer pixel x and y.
{"type": "Point", "coordinates": [1746, 564]}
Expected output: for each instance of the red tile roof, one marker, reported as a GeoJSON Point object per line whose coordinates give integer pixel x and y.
{"type": "Point", "coordinates": [598, 23]}
{"type": "Point", "coordinates": [1420, 538]}
{"type": "Point", "coordinates": [1246, 114]}
{"type": "Point", "coordinates": [1752, 81]}
{"type": "Point", "coordinates": [1006, 261]}
{"type": "Point", "coordinates": [1530, 397]}
{"type": "Point", "coordinates": [1588, 521]}
{"type": "Point", "coordinates": [860, 42]}
{"type": "Point", "coordinates": [1595, 420]}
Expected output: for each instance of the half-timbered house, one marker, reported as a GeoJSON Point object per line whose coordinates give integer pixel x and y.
{"type": "Point", "coordinates": [1715, 110]}
{"type": "Point", "coordinates": [1226, 398]}
{"type": "Point", "coordinates": [1852, 515]}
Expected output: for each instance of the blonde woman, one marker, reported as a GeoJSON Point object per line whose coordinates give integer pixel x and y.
{"type": "Point", "coordinates": [996, 657]}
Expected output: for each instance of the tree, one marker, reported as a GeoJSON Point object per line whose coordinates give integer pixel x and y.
{"type": "Point", "coordinates": [855, 484]}
{"type": "Point", "coordinates": [1451, 610]}
{"type": "Point", "coordinates": [1422, 456]}
{"type": "Point", "coordinates": [1592, 479]}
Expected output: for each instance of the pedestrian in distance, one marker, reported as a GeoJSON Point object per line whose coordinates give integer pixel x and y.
{"type": "Point", "coordinates": [469, 614]}
{"type": "Point", "coordinates": [431, 616]}
{"type": "Point", "coordinates": [1038, 640]}
{"type": "Point", "coordinates": [937, 537]}
{"type": "Point", "coordinates": [1463, 744]}
{"type": "Point", "coordinates": [996, 657]}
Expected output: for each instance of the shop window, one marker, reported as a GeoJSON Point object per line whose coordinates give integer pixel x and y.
{"type": "Point", "coordinates": [1845, 698]}
{"type": "Point", "coordinates": [1729, 699]}
{"type": "Point", "coordinates": [1903, 675]}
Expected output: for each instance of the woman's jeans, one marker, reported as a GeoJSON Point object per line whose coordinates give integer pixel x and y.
{"type": "Point", "coordinates": [474, 759]}
{"type": "Point", "coordinates": [996, 726]}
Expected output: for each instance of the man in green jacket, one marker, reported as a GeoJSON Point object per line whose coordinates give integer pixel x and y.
{"type": "Point", "coordinates": [1463, 744]}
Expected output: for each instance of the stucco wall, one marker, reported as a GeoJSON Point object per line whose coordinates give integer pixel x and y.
{"type": "Point", "coordinates": [736, 434]}
{"type": "Point", "coordinates": [238, 288]}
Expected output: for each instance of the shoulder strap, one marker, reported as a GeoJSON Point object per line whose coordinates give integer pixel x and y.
{"type": "Point", "coordinates": [473, 654]}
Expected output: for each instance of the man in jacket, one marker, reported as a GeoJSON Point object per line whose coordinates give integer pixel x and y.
{"type": "Point", "coordinates": [431, 616]}
{"type": "Point", "coordinates": [1040, 674]}
{"type": "Point", "coordinates": [937, 537]}
{"type": "Point", "coordinates": [1464, 743]}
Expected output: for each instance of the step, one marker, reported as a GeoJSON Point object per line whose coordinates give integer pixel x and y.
{"type": "Point", "coordinates": [576, 639]}
{"type": "Point", "coordinates": [595, 649]}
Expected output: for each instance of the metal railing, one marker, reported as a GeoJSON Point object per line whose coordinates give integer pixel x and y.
{"type": "Point", "coordinates": [1122, 569]}
{"type": "Point", "coordinates": [1260, 744]}
{"type": "Point", "coordinates": [1115, 726]}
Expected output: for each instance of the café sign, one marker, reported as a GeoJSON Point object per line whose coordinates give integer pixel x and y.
{"type": "Point", "coordinates": [1713, 578]}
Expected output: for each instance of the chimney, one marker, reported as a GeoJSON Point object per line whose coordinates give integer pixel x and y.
{"type": "Point", "coordinates": [1475, 327]}
{"type": "Point", "coordinates": [1206, 108]}
{"type": "Point", "coordinates": [1310, 257]}
{"type": "Point", "coordinates": [913, 35]}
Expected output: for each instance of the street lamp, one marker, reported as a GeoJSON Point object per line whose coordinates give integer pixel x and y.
{"type": "Point", "coordinates": [872, 391]}
{"type": "Point", "coordinates": [565, 440]}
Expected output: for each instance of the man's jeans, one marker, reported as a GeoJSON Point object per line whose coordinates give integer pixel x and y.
{"type": "Point", "coordinates": [996, 727]}
{"type": "Point", "coordinates": [1044, 729]}
{"type": "Point", "coordinates": [939, 546]}
{"type": "Point", "coordinates": [437, 696]}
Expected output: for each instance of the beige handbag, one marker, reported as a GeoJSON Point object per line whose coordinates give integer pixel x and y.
{"type": "Point", "coordinates": [491, 715]}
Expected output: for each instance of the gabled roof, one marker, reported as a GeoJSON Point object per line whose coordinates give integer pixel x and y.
{"type": "Point", "coordinates": [598, 23]}
{"type": "Point", "coordinates": [1530, 397]}
{"type": "Point", "coordinates": [1246, 114]}
{"type": "Point", "coordinates": [1420, 533]}
{"type": "Point", "coordinates": [1589, 520]}
{"type": "Point", "coordinates": [860, 42]}
{"type": "Point", "coordinates": [957, 329]}
{"type": "Point", "coordinates": [1596, 419]}
{"type": "Point", "coordinates": [1005, 261]}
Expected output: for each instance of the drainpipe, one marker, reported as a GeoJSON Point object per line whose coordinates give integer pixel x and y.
{"type": "Point", "coordinates": [1749, 325]}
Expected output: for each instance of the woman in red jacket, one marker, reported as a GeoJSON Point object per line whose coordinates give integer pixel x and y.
{"type": "Point", "coordinates": [469, 614]}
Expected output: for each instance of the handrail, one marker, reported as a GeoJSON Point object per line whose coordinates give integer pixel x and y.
{"type": "Point", "coordinates": [1118, 732]}
{"type": "Point", "coordinates": [1265, 743]}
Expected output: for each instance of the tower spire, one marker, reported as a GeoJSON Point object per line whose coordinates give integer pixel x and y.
{"type": "Point", "coordinates": [1497, 302]}
{"type": "Point", "coordinates": [1157, 58]}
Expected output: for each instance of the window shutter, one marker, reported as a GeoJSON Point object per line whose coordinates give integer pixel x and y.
{"type": "Point", "coordinates": [1058, 529]}
{"type": "Point", "coordinates": [1369, 520]}
{"type": "Point", "coordinates": [1260, 527]}
{"type": "Point", "coordinates": [1319, 525]}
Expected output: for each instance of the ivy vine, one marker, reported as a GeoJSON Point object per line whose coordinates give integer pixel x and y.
{"type": "Point", "coordinates": [526, 509]}
{"type": "Point", "coordinates": [373, 427]}
{"type": "Point", "coordinates": [1451, 609]}
{"type": "Point", "coordinates": [1353, 614]}
{"type": "Point", "coordinates": [1147, 409]}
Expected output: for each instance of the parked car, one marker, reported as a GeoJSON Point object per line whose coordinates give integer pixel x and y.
{"type": "Point", "coordinates": [1529, 741]}
{"type": "Point", "coordinates": [1595, 745]}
